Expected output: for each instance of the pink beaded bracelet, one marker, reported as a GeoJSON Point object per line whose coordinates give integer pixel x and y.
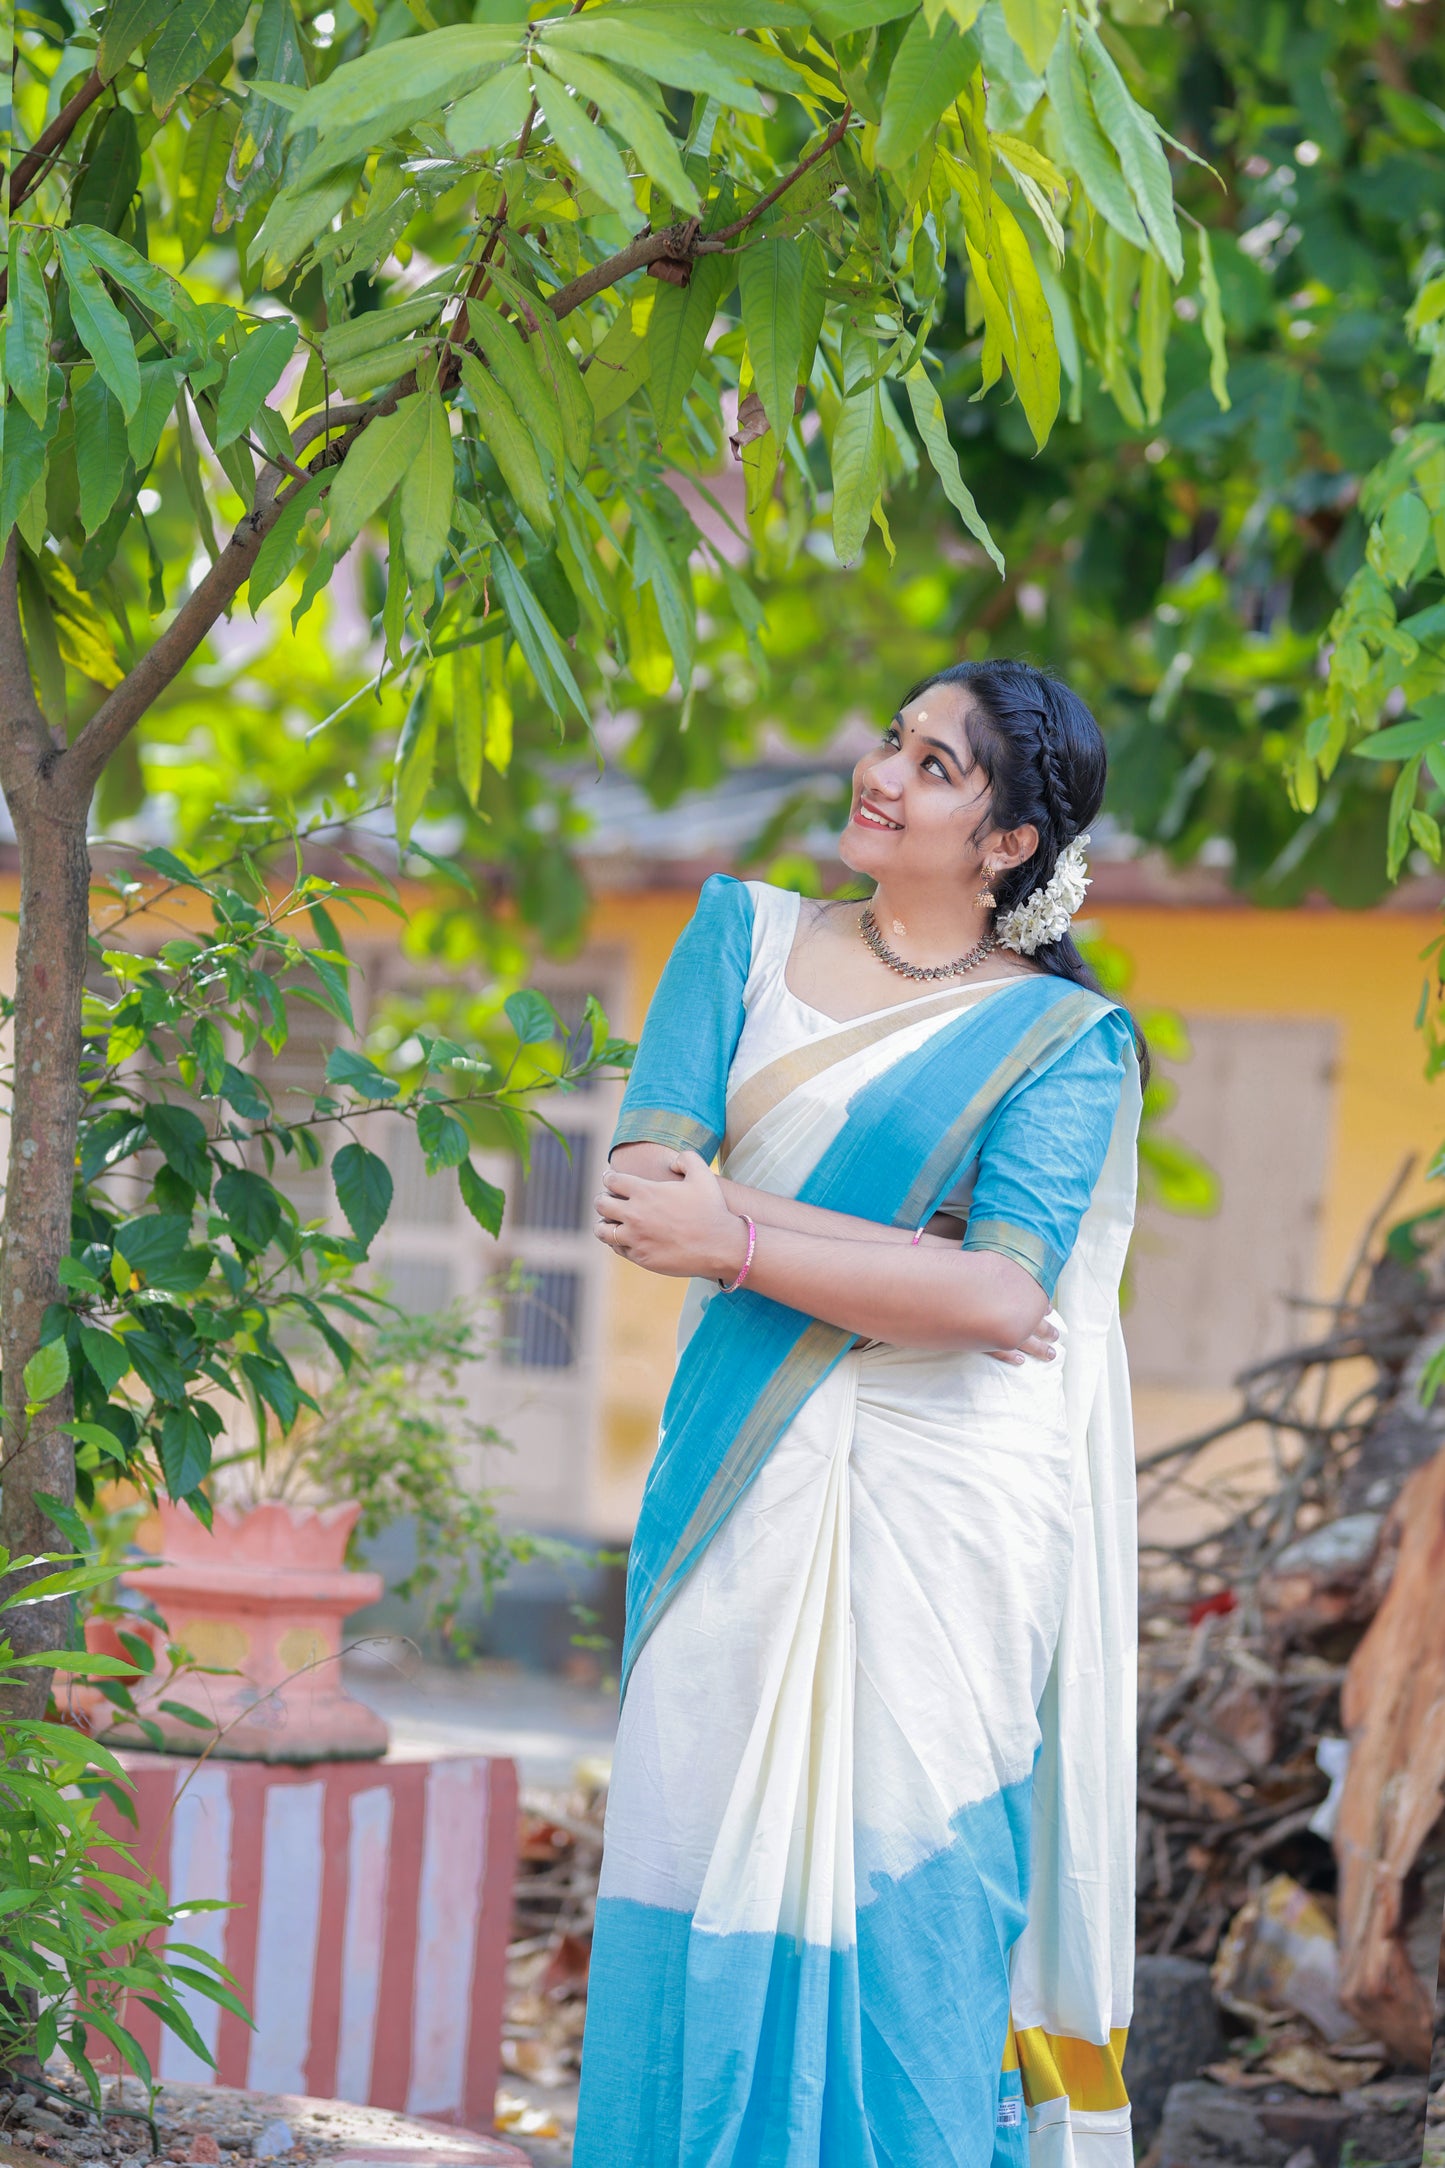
{"type": "Point", "coordinates": [731, 1286]}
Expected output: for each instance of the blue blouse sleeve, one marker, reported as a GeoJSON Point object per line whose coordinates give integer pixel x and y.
{"type": "Point", "coordinates": [1044, 1151]}
{"type": "Point", "coordinates": [677, 1092]}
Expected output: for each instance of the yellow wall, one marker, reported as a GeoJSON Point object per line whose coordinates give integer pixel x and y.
{"type": "Point", "coordinates": [1362, 971]}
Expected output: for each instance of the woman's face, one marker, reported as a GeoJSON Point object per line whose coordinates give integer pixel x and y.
{"type": "Point", "coordinates": [920, 803]}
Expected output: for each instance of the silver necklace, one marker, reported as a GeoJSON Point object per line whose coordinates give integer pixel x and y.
{"type": "Point", "coordinates": [868, 928]}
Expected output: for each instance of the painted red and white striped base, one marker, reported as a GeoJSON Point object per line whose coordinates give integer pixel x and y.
{"type": "Point", "coordinates": [371, 1914]}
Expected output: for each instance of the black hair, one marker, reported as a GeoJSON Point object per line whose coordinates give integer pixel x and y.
{"type": "Point", "coordinates": [1043, 757]}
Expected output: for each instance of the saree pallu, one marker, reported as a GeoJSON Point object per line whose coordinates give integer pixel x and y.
{"type": "Point", "coordinates": [867, 1890]}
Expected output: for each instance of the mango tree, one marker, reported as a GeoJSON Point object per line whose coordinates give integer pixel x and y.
{"type": "Point", "coordinates": [482, 278]}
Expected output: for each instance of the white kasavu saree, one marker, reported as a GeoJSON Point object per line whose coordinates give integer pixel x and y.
{"type": "Point", "coordinates": [867, 1891]}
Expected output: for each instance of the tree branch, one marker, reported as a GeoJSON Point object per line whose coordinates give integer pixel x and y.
{"type": "Point", "coordinates": [27, 174]}
{"type": "Point", "coordinates": [119, 713]}
{"type": "Point", "coordinates": [682, 242]}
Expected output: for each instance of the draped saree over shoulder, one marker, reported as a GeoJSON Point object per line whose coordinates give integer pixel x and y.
{"type": "Point", "coordinates": [867, 1889]}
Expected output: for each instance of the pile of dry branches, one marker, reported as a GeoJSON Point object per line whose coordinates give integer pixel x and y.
{"type": "Point", "coordinates": [1249, 1624]}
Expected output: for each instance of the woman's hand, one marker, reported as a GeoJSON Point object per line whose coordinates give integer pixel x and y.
{"type": "Point", "coordinates": [680, 1228]}
{"type": "Point", "coordinates": [1039, 1346]}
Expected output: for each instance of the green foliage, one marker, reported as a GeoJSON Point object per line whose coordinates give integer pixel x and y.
{"type": "Point", "coordinates": [435, 212]}
{"type": "Point", "coordinates": [194, 1285]}
{"type": "Point", "coordinates": [85, 1929]}
{"type": "Point", "coordinates": [393, 1432]}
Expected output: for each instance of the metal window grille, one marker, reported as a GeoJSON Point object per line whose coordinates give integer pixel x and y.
{"type": "Point", "coordinates": [541, 1320]}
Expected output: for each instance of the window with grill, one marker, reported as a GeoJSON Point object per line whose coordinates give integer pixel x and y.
{"type": "Point", "coordinates": [553, 1199]}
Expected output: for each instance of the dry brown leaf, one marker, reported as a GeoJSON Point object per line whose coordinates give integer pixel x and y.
{"type": "Point", "coordinates": [1310, 2070]}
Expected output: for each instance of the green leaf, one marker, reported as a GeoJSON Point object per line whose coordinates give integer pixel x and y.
{"type": "Point", "coordinates": [468, 720]}
{"type": "Point", "coordinates": [251, 377]}
{"type": "Point", "coordinates": [1398, 539]}
{"type": "Point", "coordinates": [1034, 27]}
{"type": "Point", "coordinates": [359, 335]}
{"type": "Point", "coordinates": [1402, 741]}
{"type": "Point", "coordinates": [422, 72]}
{"type": "Point", "coordinates": [677, 330]}
{"type": "Point", "coordinates": [812, 301]}
{"type": "Point", "coordinates": [494, 114]}
{"type": "Point", "coordinates": [193, 34]}
{"type": "Point", "coordinates": [185, 1451]}
{"type": "Point", "coordinates": [1085, 146]}
{"type": "Point", "coordinates": [101, 328]}
{"type": "Point", "coordinates": [928, 73]}
{"type": "Point", "coordinates": [636, 123]}
{"type": "Point", "coordinates": [181, 1135]}
{"type": "Point", "coordinates": [1212, 312]}
{"type": "Point", "coordinates": [47, 1373]}
{"type": "Point", "coordinates": [107, 1355]}
{"type": "Point", "coordinates": [513, 362]}
{"type": "Point", "coordinates": [426, 496]}
{"type": "Point", "coordinates": [127, 23]}
{"type": "Point", "coordinates": [297, 215]}
{"type": "Point", "coordinates": [544, 654]}
{"type": "Point", "coordinates": [845, 18]}
{"type": "Point", "coordinates": [21, 467]}
{"type": "Point", "coordinates": [203, 176]}
{"type": "Point", "coordinates": [165, 297]}
{"type": "Point", "coordinates": [363, 1190]}
{"type": "Point", "coordinates": [416, 753]}
{"type": "Point", "coordinates": [510, 445]}
{"type": "Point", "coordinates": [1035, 356]}
{"type": "Point", "coordinates": [280, 553]}
{"type": "Point", "coordinates": [651, 41]}
{"type": "Point", "coordinates": [108, 179]}
{"type": "Point", "coordinates": [483, 1199]}
{"type": "Point", "coordinates": [587, 147]}
{"type": "Point", "coordinates": [932, 428]}
{"type": "Point", "coordinates": [373, 467]}
{"type": "Point", "coordinates": [355, 1073]}
{"type": "Point", "coordinates": [1155, 315]}
{"type": "Point", "coordinates": [442, 1138]}
{"type": "Point", "coordinates": [770, 287]}
{"type": "Point", "coordinates": [1141, 155]}
{"type": "Point", "coordinates": [857, 453]}
{"type": "Point", "coordinates": [27, 329]}
{"type": "Point", "coordinates": [81, 1660]}
{"type": "Point", "coordinates": [558, 365]}
{"type": "Point", "coordinates": [101, 450]}
{"type": "Point", "coordinates": [532, 1017]}
{"type": "Point", "coordinates": [157, 401]}
{"type": "Point", "coordinates": [251, 1206]}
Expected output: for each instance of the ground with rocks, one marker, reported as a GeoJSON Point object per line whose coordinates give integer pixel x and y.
{"type": "Point", "coordinates": [207, 2126]}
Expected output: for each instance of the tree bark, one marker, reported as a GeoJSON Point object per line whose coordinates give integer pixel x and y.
{"type": "Point", "coordinates": [49, 815]}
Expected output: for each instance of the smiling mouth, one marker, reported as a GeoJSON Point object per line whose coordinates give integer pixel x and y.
{"type": "Point", "coordinates": [868, 816]}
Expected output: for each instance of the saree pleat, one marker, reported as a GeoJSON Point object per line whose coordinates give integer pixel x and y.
{"type": "Point", "coordinates": [866, 1892]}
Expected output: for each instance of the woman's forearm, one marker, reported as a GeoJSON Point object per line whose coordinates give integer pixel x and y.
{"type": "Point", "coordinates": [767, 1210]}
{"type": "Point", "coordinates": [893, 1292]}
{"type": "Point", "coordinates": [654, 1163]}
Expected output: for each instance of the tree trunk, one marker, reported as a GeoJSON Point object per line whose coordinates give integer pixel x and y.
{"type": "Point", "coordinates": [49, 815]}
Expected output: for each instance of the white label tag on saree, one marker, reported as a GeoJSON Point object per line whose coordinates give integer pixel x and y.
{"type": "Point", "coordinates": [1010, 2114]}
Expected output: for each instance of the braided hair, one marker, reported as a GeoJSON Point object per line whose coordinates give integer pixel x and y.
{"type": "Point", "coordinates": [1042, 755]}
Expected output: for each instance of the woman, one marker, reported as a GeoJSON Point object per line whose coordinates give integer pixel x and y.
{"type": "Point", "coordinates": [866, 1898]}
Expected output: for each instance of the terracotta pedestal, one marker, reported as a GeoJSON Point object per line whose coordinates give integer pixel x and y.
{"type": "Point", "coordinates": [262, 1597]}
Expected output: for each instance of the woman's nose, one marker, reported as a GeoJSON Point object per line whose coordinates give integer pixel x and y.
{"type": "Point", "coordinates": [885, 777]}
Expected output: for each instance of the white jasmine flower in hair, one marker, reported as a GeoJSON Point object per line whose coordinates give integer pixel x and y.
{"type": "Point", "coordinates": [1045, 915]}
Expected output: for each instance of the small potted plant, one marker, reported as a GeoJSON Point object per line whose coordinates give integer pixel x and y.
{"type": "Point", "coordinates": [258, 1600]}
